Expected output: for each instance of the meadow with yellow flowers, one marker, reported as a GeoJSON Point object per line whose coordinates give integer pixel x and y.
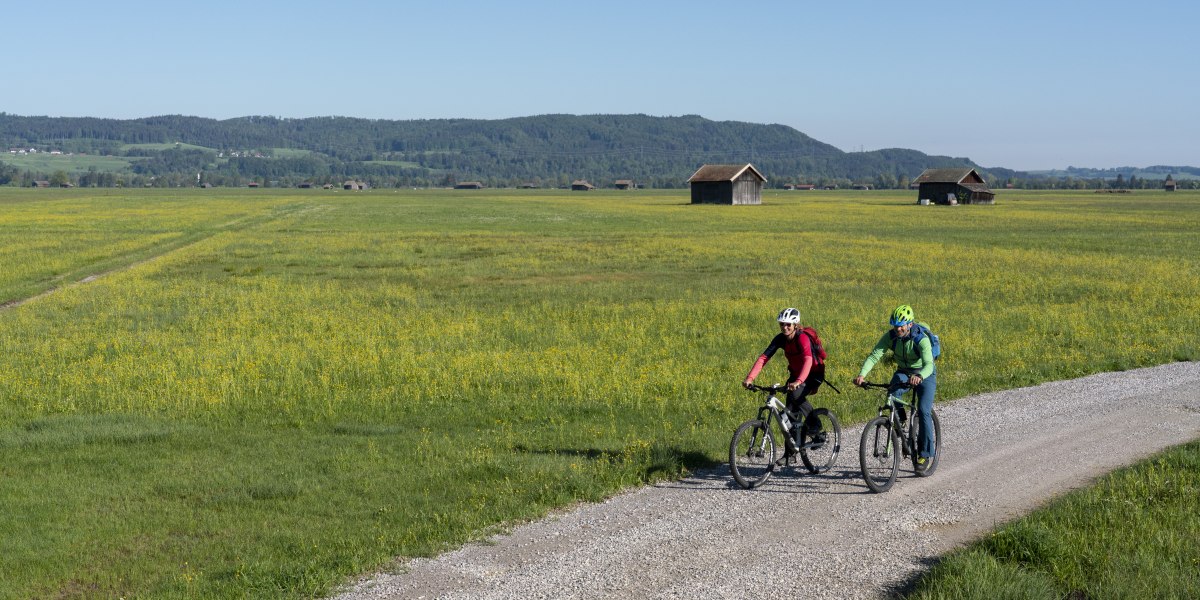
{"type": "Point", "coordinates": [229, 393]}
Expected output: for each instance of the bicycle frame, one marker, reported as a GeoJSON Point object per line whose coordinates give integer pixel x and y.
{"type": "Point", "coordinates": [774, 409]}
{"type": "Point", "coordinates": [901, 426]}
{"type": "Point", "coordinates": [891, 405]}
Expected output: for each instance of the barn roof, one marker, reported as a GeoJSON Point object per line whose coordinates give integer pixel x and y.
{"type": "Point", "coordinates": [955, 175]}
{"type": "Point", "coordinates": [723, 173]}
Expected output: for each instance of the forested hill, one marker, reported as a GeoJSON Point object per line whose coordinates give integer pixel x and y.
{"type": "Point", "coordinates": [547, 150]}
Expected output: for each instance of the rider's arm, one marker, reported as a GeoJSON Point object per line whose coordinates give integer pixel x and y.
{"type": "Point", "coordinates": [925, 347]}
{"type": "Point", "coordinates": [757, 368]}
{"type": "Point", "coordinates": [876, 354]}
{"type": "Point", "coordinates": [766, 355]}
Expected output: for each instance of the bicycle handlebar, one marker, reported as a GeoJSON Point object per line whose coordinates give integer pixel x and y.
{"type": "Point", "coordinates": [778, 387]}
{"type": "Point", "coordinates": [886, 386]}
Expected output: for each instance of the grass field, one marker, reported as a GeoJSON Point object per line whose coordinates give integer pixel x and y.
{"type": "Point", "coordinates": [268, 391]}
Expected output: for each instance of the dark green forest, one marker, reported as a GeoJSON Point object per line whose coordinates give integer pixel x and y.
{"type": "Point", "coordinates": [542, 151]}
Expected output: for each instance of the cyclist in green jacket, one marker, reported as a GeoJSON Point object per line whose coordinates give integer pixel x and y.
{"type": "Point", "coordinates": [914, 365]}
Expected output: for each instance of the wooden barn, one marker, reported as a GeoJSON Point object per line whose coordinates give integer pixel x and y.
{"type": "Point", "coordinates": [960, 185]}
{"type": "Point", "coordinates": [354, 185]}
{"type": "Point", "coordinates": [582, 185]}
{"type": "Point", "coordinates": [727, 184]}
{"type": "Point", "coordinates": [1169, 184]}
{"type": "Point", "coordinates": [468, 185]}
{"type": "Point", "coordinates": [623, 184]}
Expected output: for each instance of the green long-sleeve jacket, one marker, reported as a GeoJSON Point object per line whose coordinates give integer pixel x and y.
{"type": "Point", "coordinates": [910, 359]}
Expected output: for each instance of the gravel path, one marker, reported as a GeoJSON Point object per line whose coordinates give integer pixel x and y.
{"type": "Point", "coordinates": [1003, 454]}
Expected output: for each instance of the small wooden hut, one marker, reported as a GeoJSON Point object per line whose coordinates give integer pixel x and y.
{"type": "Point", "coordinates": [727, 184]}
{"type": "Point", "coordinates": [468, 185]}
{"type": "Point", "coordinates": [581, 185]}
{"type": "Point", "coordinates": [623, 184]}
{"type": "Point", "coordinates": [1169, 184]}
{"type": "Point", "coordinates": [959, 185]}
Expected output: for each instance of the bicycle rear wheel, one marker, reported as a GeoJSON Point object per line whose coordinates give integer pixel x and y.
{"type": "Point", "coordinates": [879, 454]}
{"type": "Point", "coordinates": [752, 454]}
{"type": "Point", "coordinates": [821, 452]}
{"type": "Point", "coordinates": [937, 446]}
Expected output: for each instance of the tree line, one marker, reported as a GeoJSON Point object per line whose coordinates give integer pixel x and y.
{"type": "Point", "coordinates": [546, 151]}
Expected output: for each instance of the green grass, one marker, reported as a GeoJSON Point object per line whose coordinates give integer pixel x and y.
{"type": "Point", "coordinates": [1135, 534]}
{"type": "Point", "coordinates": [75, 164]}
{"type": "Point", "coordinates": [394, 163]}
{"type": "Point", "coordinates": [290, 152]}
{"type": "Point", "coordinates": [168, 146]}
{"type": "Point", "coordinates": [283, 389]}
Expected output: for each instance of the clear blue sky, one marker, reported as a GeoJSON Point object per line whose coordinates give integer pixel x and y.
{"type": "Point", "coordinates": [1019, 84]}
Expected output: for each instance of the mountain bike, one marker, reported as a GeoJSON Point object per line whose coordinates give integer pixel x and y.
{"type": "Point", "coordinates": [753, 453]}
{"type": "Point", "coordinates": [886, 438]}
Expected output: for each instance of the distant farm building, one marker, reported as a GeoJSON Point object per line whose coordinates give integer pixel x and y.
{"type": "Point", "coordinates": [40, 183]}
{"type": "Point", "coordinates": [1169, 184]}
{"type": "Point", "coordinates": [206, 185]}
{"type": "Point", "coordinates": [468, 185]}
{"type": "Point", "coordinates": [862, 186]}
{"type": "Point", "coordinates": [252, 184]}
{"type": "Point", "coordinates": [961, 185]}
{"type": "Point", "coordinates": [529, 186]}
{"type": "Point", "coordinates": [582, 185]}
{"type": "Point", "coordinates": [306, 185]}
{"type": "Point", "coordinates": [800, 186]}
{"type": "Point", "coordinates": [354, 185]}
{"type": "Point", "coordinates": [727, 184]}
{"type": "Point", "coordinates": [623, 184]}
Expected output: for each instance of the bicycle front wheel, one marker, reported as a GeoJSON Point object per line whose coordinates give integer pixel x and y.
{"type": "Point", "coordinates": [937, 446]}
{"type": "Point", "coordinates": [879, 454]}
{"type": "Point", "coordinates": [821, 449]}
{"type": "Point", "coordinates": [752, 454]}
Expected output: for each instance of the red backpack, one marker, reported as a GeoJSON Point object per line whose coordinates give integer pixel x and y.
{"type": "Point", "coordinates": [814, 340]}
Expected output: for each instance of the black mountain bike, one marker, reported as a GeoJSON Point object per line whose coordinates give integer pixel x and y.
{"type": "Point", "coordinates": [888, 437]}
{"type": "Point", "coordinates": [754, 454]}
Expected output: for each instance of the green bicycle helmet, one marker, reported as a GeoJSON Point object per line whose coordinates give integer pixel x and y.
{"type": "Point", "coordinates": [903, 315]}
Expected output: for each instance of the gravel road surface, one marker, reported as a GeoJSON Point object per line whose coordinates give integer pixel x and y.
{"type": "Point", "coordinates": [1003, 454]}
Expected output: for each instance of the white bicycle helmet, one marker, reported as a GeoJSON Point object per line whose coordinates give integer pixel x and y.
{"type": "Point", "coordinates": [789, 315]}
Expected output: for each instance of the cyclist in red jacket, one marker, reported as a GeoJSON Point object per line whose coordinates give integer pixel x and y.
{"type": "Point", "coordinates": [803, 376]}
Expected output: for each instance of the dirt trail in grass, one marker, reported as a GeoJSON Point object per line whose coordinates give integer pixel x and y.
{"type": "Point", "coordinates": [145, 255]}
{"type": "Point", "coordinates": [1004, 454]}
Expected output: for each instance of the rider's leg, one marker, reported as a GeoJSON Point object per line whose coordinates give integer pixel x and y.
{"type": "Point", "coordinates": [925, 393]}
{"type": "Point", "coordinates": [799, 405]}
{"type": "Point", "coordinates": [899, 378]}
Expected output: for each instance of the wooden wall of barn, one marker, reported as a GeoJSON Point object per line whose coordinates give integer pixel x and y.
{"type": "Point", "coordinates": [747, 190]}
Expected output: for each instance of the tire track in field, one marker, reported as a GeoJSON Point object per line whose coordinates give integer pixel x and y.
{"type": "Point", "coordinates": [825, 536]}
{"type": "Point", "coordinates": [159, 251]}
